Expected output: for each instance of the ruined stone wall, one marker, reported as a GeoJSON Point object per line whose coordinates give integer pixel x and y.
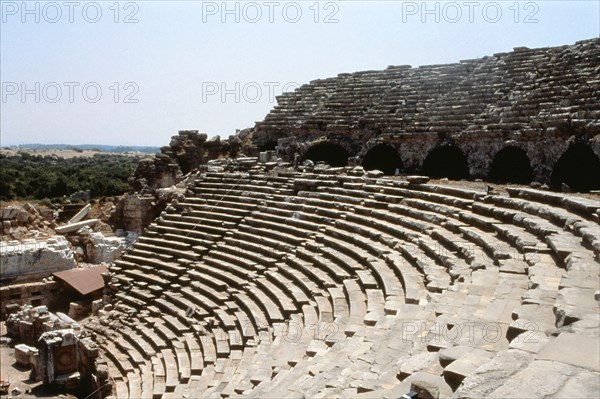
{"type": "Point", "coordinates": [29, 260]}
{"type": "Point", "coordinates": [36, 294]}
{"type": "Point", "coordinates": [17, 222]}
{"type": "Point", "coordinates": [157, 181]}
{"type": "Point", "coordinates": [539, 100]}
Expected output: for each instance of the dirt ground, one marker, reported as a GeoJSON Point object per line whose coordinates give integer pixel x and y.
{"type": "Point", "coordinates": [10, 371]}
{"type": "Point", "coordinates": [19, 377]}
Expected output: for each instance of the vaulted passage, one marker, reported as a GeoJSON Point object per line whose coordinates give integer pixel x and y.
{"type": "Point", "coordinates": [384, 158]}
{"type": "Point", "coordinates": [331, 154]}
{"type": "Point", "coordinates": [268, 146]}
{"type": "Point", "coordinates": [447, 161]}
{"type": "Point", "coordinates": [511, 165]}
{"type": "Point", "coordinates": [578, 168]}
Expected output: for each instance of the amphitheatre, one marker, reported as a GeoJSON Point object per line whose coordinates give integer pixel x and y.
{"type": "Point", "coordinates": [427, 232]}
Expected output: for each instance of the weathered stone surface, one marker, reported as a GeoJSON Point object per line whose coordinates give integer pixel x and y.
{"type": "Point", "coordinates": [81, 214]}
{"type": "Point", "coordinates": [351, 268]}
{"type": "Point", "coordinates": [429, 386]}
{"type": "Point", "coordinates": [101, 249]}
{"type": "Point", "coordinates": [417, 179]}
{"type": "Point", "coordinates": [530, 341]}
{"type": "Point", "coordinates": [35, 258]}
{"type": "Point", "coordinates": [69, 228]}
{"type": "Point", "coordinates": [589, 325]}
{"type": "Point", "coordinates": [160, 172]}
{"type": "Point", "coordinates": [9, 213]}
{"type": "Point", "coordinates": [583, 384]}
{"type": "Point", "coordinates": [449, 355]}
{"type": "Point", "coordinates": [456, 371]}
{"type": "Point", "coordinates": [573, 304]}
{"type": "Point", "coordinates": [425, 361]}
{"type": "Point", "coordinates": [578, 350]}
{"type": "Point", "coordinates": [539, 379]}
{"type": "Point", "coordinates": [26, 221]}
{"type": "Point", "coordinates": [493, 374]}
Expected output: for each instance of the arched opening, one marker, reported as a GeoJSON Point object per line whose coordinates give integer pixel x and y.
{"type": "Point", "coordinates": [446, 161]}
{"type": "Point", "coordinates": [270, 145]}
{"type": "Point", "coordinates": [384, 158]}
{"type": "Point", "coordinates": [331, 154]}
{"type": "Point", "coordinates": [578, 168]}
{"type": "Point", "coordinates": [511, 165]}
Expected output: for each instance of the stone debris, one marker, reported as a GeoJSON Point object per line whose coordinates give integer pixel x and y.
{"type": "Point", "coordinates": [27, 323]}
{"type": "Point", "coordinates": [35, 259]}
{"type": "Point", "coordinates": [56, 349]}
{"type": "Point", "coordinates": [100, 249]}
{"type": "Point", "coordinates": [69, 228]}
{"type": "Point", "coordinates": [24, 354]}
{"type": "Point", "coordinates": [25, 221]}
{"type": "Point", "coordinates": [429, 386]}
{"type": "Point", "coordinates": [417, 179]}
{"type": "Point", "coordinates": [81, 214]}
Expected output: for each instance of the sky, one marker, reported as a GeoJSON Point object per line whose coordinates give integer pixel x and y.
{"type": "Point", "coordinates": [136, 72]}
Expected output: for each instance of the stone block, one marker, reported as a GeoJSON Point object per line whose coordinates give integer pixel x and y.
{"type": "Point", "coordinates": [578, 350]}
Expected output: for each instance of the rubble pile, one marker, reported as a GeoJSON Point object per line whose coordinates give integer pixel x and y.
{"type": "Point", "coordinates": [27, 323]}
{"type": "Point", "coordinates": [96, 248]}
{"type": "Point", "coordinates": [58, 351]}
{"type": "Point", "coordinates": [26, 221]}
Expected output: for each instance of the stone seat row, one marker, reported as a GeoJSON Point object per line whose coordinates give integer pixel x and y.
{"type": "Point", "coordinates": [366, 221]}
{"type": "Point", "coordinates": [522, 247]}
{"type": "Point", "coordinates": [328, 245]}
{"type": "Point", "coordinates": [208, 205]}
{"type": "Point", "coordinates": [303, 257]}
{"type": "Point", "coordinates": [360, 257]}
{"type": "Point", "coordinates": [172, 328]}
{"type": "Point", "coordinates": [258, 180]}
{"type": "Point", "coordinates": [298, 264]}
{"type": "Point", "coordinates": [338, 271]}
{"type": "Point", "coordinates": [522, 240]}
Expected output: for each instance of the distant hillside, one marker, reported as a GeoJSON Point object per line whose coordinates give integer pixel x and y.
{"type": "Point", "coordinates": [92, 147]}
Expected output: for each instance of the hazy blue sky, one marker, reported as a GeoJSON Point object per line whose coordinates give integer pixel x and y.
{"type": "Point", "coordinates": [136, 72]}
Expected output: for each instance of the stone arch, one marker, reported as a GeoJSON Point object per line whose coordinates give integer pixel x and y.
{"type": "Point", "coordinates": [331, 153]}
{"type": "Point", "coordinates": [511, 165]}
{"type": "Point", "coordinates": [578, 167]}
{"type": "Point", "coordinates": [382, 157]}
{"type": "Point", "coordinates": [446, 161]}
{"type": "Point", "coordinates": [269, 145]}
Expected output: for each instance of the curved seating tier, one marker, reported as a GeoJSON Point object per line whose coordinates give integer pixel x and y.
{"type": "Point", "coordinates": [330, 285]}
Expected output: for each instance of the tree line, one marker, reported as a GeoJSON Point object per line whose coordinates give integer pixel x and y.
{"type": "Point", "coordinates": [27, 176]}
